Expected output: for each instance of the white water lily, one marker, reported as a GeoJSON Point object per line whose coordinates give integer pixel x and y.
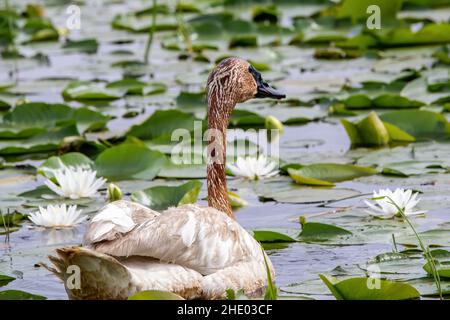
{"type": "Point", "coordinates": [404, 199]}
{"type": "Point", "coordinates": [57, 216]}
{"type": "Point", "coordinates": [75, 182]}
{"type": "Point", "coordinates": [254, 168]}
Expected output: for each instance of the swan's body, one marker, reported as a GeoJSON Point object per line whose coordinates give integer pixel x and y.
{"type": "Point", "coordinates": [193, 251]}
{"type": "Point", "coordinates": [196, 252]}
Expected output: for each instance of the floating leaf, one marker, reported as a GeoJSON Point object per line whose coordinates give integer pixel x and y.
{"type": "Point", "coordinates": [283, 190]}
{"type": "Point", "coordinates": [128, 161]}
{"type": "Point", "coordinates": [369, 289]}
{"type": "Point", "coordinates": [71, 159]}
{"type": "Point", "coordinates": [133, 86]}
{"type": "Point", "coordinates": [85, 45]}
{"type": "Point", "coordinates": [357, 9]}
{"type": "Point", "coordinates": [162, 123]}
{"type": "Point", "coordinates": [324, 174]}
{"type": "Point", "coordinates": [155, 295]}
{"type": "Point", "coordinates": [442, 268]}
{"type": "Point", "coordinates": [315, 231]}
{"type": "Point", "coordinates": [85, 90]}
{"type": "Point", "coordinates": [4, 280]}
{"type": "Point", "coordinates": [271, 236]}
{"type": "Point", "coordinates": [30, 119]}
{"type": "Point", "coordinates": [162, 197]}
{"type": "Point", "coordinates": [372, 131]}
{"type": "Point", "coordinates": [19, 295]}
{"type": "Point", "coordinates": [429, 34]}
{"type": "Point", "coordinates": [419, 123]}
{"type": "Point", "coordinates": [191, 100]}
{"type": "Point", "coordinates": [182, 171]}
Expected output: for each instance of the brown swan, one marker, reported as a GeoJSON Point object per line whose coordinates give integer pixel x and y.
{"type": "Point", "coordinates": [193, 251]}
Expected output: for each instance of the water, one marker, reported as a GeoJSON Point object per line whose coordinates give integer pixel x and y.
{"type": "Point", "coordinates": [317, 141]}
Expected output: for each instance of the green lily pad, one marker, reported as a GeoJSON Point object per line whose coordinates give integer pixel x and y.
{"type": "Point", "coordinates": [324, 174]}
{"type": "Point", "coordinates": [163, 197]}
{"type": "Point", "coordinates": [191, 100]}
{"type": "Point", "coordinates": [271, 236]}
{"type": "Point", "coordinates": [133, 86]}
{"type": "Point", "coordinates": [19, 295]}
{"type": "Point", "coordinates": [85, 90]}
{"type": "Point", "coordinates": [182, 171]}
{"type": "Point", "coordinates": [360, 289]}
{"type": "Point", "coordinates": [432, 238]}
{"type": "Point", "coordinates": [284, 190]}
{"type": "Point", "coordinates": [45, 142]}
{"type": "Point", "coordinates": [443, 269]}
{"type": "Point", "coordinates": [71, 159]}
{"type": "Point", "coordinates": [143, 23]}
{"type": "Point", "coordinates": [433, 33]}
{"type": "Point", "coordinates": [357, 9]}
{"type": "Point", "coordinates": [419, 123]}
{"type": "Point", "coordinates": [155, 295]}
{"type": "Point", "coordinates": [162, 123]}
{"type": "Point", "coordinates": [30, 119]}
{"type": "Point", "coordinates": [315, 231]}
{"type": "Point", "coordinates": [4, 280]}
{"type": "Point", "coordinates": [396, 126]}
{"type": "Point", "coordinates": [86, 45]}
{"type": "Point", "coordinates": [128, 161]}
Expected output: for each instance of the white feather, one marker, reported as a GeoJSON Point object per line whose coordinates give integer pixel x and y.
{"type": "Point", "coordinates": [188, 231]}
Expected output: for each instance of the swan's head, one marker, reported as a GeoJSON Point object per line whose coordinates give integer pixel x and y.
{"type": "Point", "coordinates": [238, 80]}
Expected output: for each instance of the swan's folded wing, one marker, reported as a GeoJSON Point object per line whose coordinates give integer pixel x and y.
{"type": "Point", "coordinates": [104, 277]}
{"type": "Point", "coordinates": [200, 238]}
{"type": "Point", "coordinates": [115, 220]}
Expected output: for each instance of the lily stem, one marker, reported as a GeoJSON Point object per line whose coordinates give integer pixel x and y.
{"type": "Point", "coordinates": [151, 33]}
{"type": "Point", "coordinates": [425, 249]}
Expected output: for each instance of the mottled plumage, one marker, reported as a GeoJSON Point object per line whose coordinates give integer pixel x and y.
{"type": "Point", "coordinates": [196, 252]}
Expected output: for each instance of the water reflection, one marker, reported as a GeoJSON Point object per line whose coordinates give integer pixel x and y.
{"type": "Point", "coordinates": [60, 236]}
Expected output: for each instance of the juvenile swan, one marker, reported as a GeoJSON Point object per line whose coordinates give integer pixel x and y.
{"type": "Point", "coordinates": [193, 251]}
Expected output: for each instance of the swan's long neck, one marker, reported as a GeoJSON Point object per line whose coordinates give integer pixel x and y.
{"type": "Point", "coordinates": [220, 105]}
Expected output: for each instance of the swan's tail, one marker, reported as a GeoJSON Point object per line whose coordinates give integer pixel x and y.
{"type": "Point", "coordinates": [89, 274]}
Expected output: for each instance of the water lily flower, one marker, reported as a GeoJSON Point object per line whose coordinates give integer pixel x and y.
{"type": "Point", "coordinates": [75, 182]}
{"type": "Point", "coordinates": [57, 216]}
{"type": "Point", "coordinates": [383, 207]}
{"type": "Point", "coordinates": [254, 168]}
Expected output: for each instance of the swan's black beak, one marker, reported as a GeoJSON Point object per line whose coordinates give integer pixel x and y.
{"type": "Point", "coordinates": [264, 89]}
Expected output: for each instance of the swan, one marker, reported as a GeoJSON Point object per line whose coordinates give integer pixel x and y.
{"type": "Point", "coordinates": [193, 251]}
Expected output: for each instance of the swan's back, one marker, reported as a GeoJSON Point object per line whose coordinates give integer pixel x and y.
{"type": "Point", "coordinates": [201, 238]}
{"type": "Point", "coordinates": [196, 252]}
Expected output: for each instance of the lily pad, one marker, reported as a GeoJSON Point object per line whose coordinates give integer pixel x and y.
{"type": "Point", "coordinates": [71, 159]}
{"type": "Point", "coordinates": [133, 86]}
{"type": "Point", "coordinates": [325, 174]}
{"type": "Point", "coordinates": [85, 90]}
{"type": "Point", "coordinates": [162, 123]}
{"type": "Point", "coordinates": [163, 197]}
{"type": "Point", "coordinates": [128, 161]}
{"type": "Point", "coordinates": [155, 295]}
{"type": "Point", "coordinates": [19, 295]}
{"type": "Point", "coordinates": [85, 45]}
{"type": "Point", "coordinates": [419, 123]}
{"type": "Point", "coordinates": [372, 131]}
{"type": "Point", "coordinates": [271, 236]}
{"type": "Point", "coordinates": [4, 280]}
{"type": "Point", "coordinates": [315, 231]}
{"type": "Point", "coordinates": [365, 289]}
{"type": "Point", "coordinates": [283, 190]}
